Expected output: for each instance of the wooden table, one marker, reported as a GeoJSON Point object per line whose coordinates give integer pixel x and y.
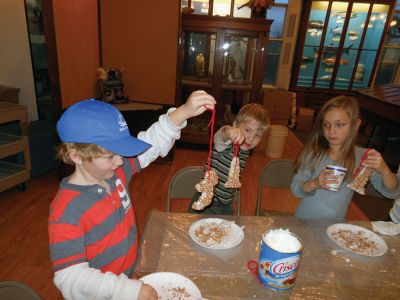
{"type": "Point", "coordinates": [382, 100]}
{"type": "Point", "coordinates": [326, 270]}
{"type": "Point", "coordinates": [380, 111]}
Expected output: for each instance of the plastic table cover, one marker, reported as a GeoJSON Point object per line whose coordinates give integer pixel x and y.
{"type": "Point", "coordinates": [326, 270]}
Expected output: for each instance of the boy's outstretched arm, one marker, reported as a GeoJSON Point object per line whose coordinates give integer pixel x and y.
{"type": "Point", "coordinates": [163, 133]}
{"type": "Point", "coordinates": [197, 103]}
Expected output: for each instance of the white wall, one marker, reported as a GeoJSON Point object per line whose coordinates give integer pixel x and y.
{"type": "Point", "coordinates": [15, 57]}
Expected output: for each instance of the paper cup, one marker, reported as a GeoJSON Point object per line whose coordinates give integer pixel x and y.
{"type": "Point", "coordinates": [339, 173]}
{"type": "Point", "coordinates": [276, 140]}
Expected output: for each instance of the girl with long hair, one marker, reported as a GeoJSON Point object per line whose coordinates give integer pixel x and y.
{"type": "Point", "coordinates": [332, 141]}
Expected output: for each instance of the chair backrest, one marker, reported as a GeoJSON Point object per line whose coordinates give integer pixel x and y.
{"type": "Point", "coordinates": [182, 185]}
{"type": "Point", "coordinates": [17, 290]}
{"type": "Point", "coordinates": [183, 182]}
{"type": "Point", "coordinates": [276, 174]}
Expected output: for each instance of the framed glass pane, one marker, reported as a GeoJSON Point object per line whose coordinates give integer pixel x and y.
{"type": "Point", "coordinates": [364, 68]}
{"type": "Point", "coordinates": [375, 26]}
{"type": "Point", "coordinates": [198, 56]}
{"type": "Point", "coordinates": [312, 42]}
{"type": "Point", "coordinates": [388, 66]}
{"type": "Point", "coordinates": [222, 8]}
{"type": "Point", "coordinates": [271, 66]}
{"type": "Point", "coordinates": [184, 3]}
{"type": "Point", "coordinates": [244, 11]}
{"type": "Point", "coordinates": [278, 15]}
{"type": "Point", "coordinates": [331, 43]}
{"type": "Point", "coordinates": [239, 57]}
{"type": "Point", "coordinates": [345, 70]}
{"type": "Point", "coordinates": [281, 1]}
{"type": "Point", "coordinates": [200, 7]}
{"type": "Point", "coordinates": [234, 99]}
{"type": "Point", "coordinates": [356, 25]}
{"type": "Point", "coordinates": [393, 35]}
{"type": "Point", "coordinates": [352, 42]}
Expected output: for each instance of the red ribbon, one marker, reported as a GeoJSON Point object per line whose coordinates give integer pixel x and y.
{"type": "Point", "coordinates": [236, 150]}
{"type": "Point", "coordinates": [211, 125]}
{"type": "Point", "coordinates": [364, 156]}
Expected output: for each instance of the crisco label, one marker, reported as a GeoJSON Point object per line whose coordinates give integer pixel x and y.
{"type": "Point", "coordinates": [284, 266]}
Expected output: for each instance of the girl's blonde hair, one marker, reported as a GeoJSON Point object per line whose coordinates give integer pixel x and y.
{"type": "Point", "coordinates": [317, 145]}
{"type": "Point", "coordinates": [85, 151]}
{"type": "Point", "coordinates": [256, 112]}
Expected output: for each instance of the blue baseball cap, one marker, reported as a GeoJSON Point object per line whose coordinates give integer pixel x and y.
{"type": "Point", "coordinates": [96, 122]}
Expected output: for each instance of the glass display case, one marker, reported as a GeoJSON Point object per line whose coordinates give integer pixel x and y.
{"type": "Point", "coordinates": [340, 44]}
{"type": "Point", "coordinates": [224, 56]}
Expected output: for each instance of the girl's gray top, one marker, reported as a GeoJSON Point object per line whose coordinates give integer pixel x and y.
{"type": "Point", "coordinates": [324, 204]}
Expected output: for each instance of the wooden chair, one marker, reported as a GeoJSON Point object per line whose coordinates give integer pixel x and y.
{"type": "Point", "coordinates": [276, 174]}
{"type": "Point", "coordinates": [17, 290]}
{"type": "Point", "coordinates": [182, 185]}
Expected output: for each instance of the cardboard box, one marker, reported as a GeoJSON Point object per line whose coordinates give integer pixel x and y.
{"type": "Point", "coordinates": [305, 119]}
{"type": "Point", "coordinates": [9, 94]}
{"type": "Point", "coordinates": [279, 105]}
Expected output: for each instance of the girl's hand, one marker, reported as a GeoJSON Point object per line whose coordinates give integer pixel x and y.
{"type": "Point", "coordinates": [197, 103]}
{"type": "Point", "coordinates": [147, 293]}
{"type": "Point", "coordinates": [375, 161]}
{"type": "Point", "coordinates": [319, 182]}
{"type": "Point", "coordinates": [324, 178]}
{"type": "Point", "coordinates": [236, 135]}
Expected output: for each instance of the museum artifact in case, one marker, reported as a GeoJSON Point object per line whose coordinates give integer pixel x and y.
{"type": "Point", "coordinates": [340, 44]}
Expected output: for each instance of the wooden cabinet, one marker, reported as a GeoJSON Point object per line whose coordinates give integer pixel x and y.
{"type": "Point", "coordinates": [12, 174]}
{"type": "Point", "coordinates": [224, 56]}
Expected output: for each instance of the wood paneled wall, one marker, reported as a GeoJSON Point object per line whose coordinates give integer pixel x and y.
{"type": "Point", "coordinates": [77, 42]}
{"type": "Point", "coordinates": [142, 38]}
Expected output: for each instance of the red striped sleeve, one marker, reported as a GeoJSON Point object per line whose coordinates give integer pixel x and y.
{"type": "Point", "coordinates": [68, 232]}
{"type": "Point", "coordinates": [67, 260]}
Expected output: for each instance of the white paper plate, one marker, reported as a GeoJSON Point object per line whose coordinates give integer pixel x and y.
{"type": "Point", "coordinates": [172, 286]}
{"type": "Point", "coordinates": [214, 233]}
{"type": "Point", "coordinates": [357, 239]}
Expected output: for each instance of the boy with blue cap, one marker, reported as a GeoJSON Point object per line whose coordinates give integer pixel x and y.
{"type": "Point", "coordinates": [92, 228]}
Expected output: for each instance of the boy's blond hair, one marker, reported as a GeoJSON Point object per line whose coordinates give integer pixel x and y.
{"type": "Point", "coordinates": [254, 111]}
{"type": "Point", "coordinates": [87, 152]}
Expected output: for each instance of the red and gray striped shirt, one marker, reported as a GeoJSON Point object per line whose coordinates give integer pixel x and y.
{"type": "Point", "coordinates": [86, 224]}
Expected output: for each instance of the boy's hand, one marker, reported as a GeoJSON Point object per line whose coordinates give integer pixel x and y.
{"type": "Point", "coordinates": [236, 135]}
{"type": "Point", "coordinates": [147, 293]}
{"type": "Point", "coordinates": [197, 103]}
